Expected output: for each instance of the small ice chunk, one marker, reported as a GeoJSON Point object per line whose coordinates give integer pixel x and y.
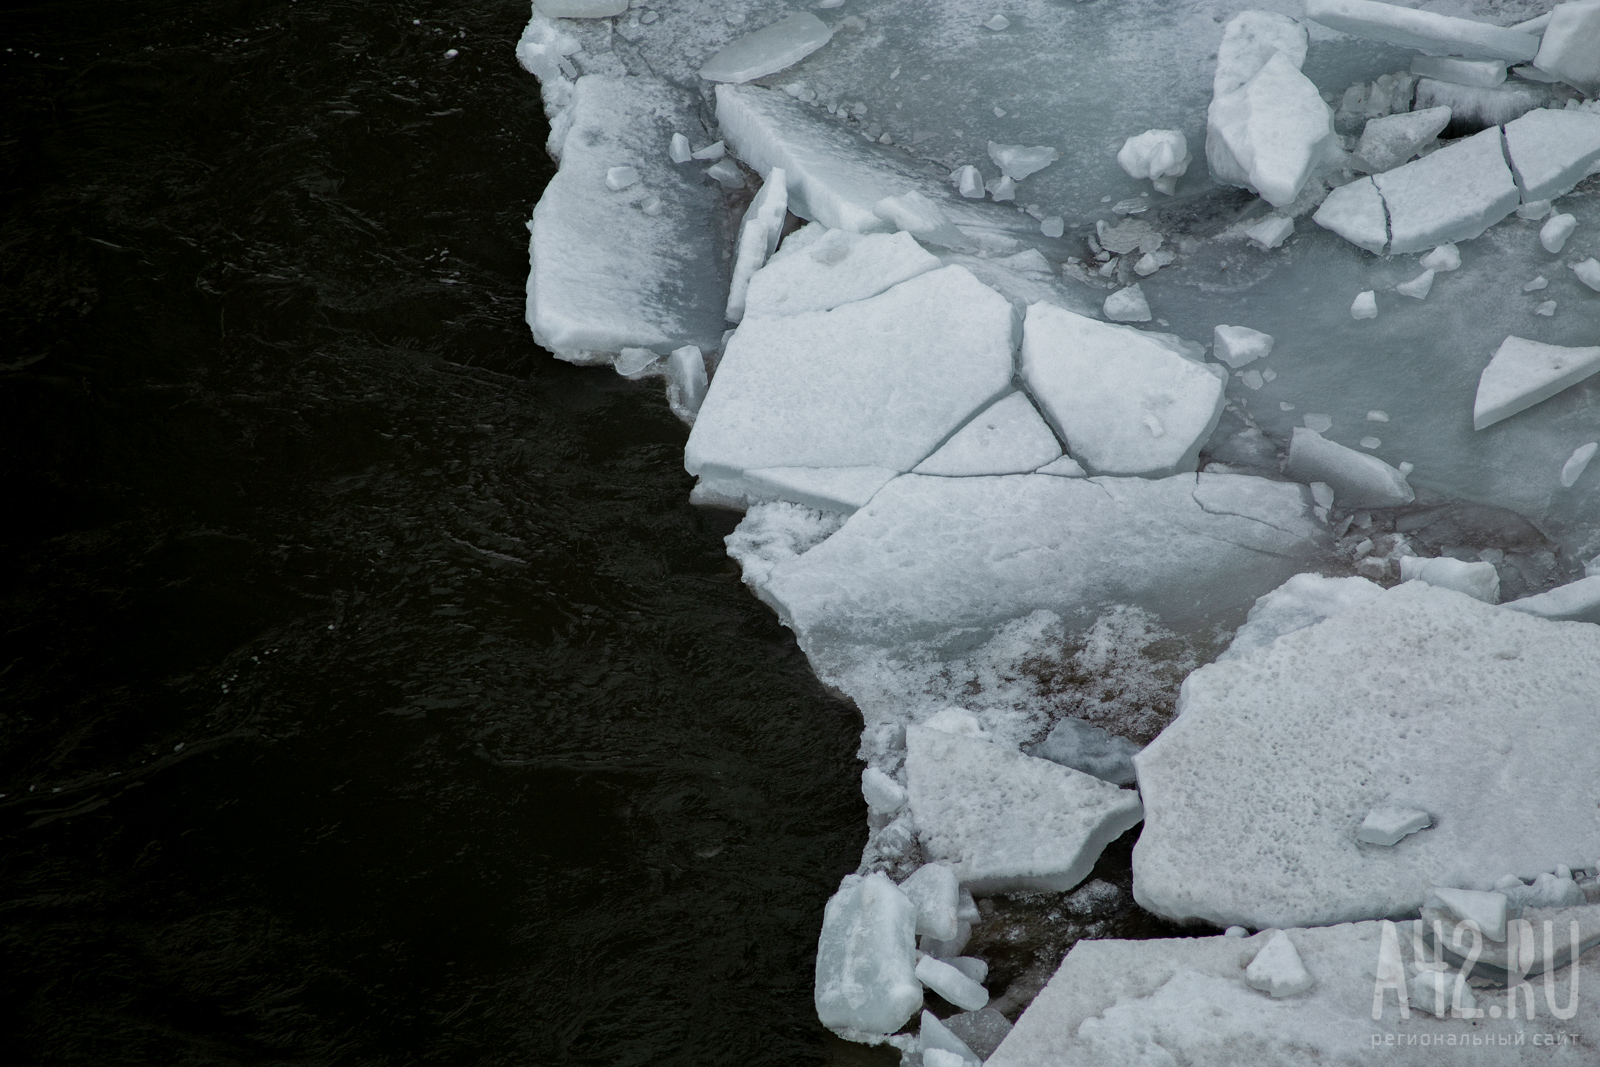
{"type": "Point", "coordinates": [1554, 233]}
{"type": "Point", "coordinates": [1488, 910]}
{"type": "Point", "coordinates": [767, 51]}
{"type": "Point", "coordinates": [1018, 161]}
{"type": "Point", "coordinates": [934, 1036]}
{"type": "Point", "coordinates": [1477, 579]}
{"type": "Point", "coordinates": [1553, 150]}
{"type": "Point", "coordinates": [1236, 931]}
{"type": "Point", "coordinates": [1523, 373]}
{"type": "Point", "coordinates": [1446, 257]}
{"type": "Point", "coordinates": [618, 178]}
{"type": "Point", "coordinates": [921, 218]}
{"type": "Point", "coordinates": [1557, 890]}
{"type": "Point", "coordinates": [1097, 383]}
{"type": "Point", "coordinates": [1437, 991]}
{"type": "Point", "coordinates": [1277, 970]}
{"type": "Point", "coordinates": [1085, 747]}
{"type": "Point", "coordinates": [1008, 437]}
{"type": "Point", "coordinates": [1129, 305]}
{"type": "Point", "coordinates": [1417, 288]}
{"type": "Point", "coordinates": [951, 984]}
{"type": "Point", "coordinates": [983, 1031]}
{"type": "Point", "coordinates": [1577, 601]}
{"type": "Point", "coordinates": [1389, 141]}
{"type": "Point", "coordinates": [1065, 467]}
{"type": "Point", "coordinates": [1547, 309]}
{"type": "Point", "coordinates": [1151, 262]}
{"type": "Point", "coordinates": [727, 174]}
{"type": "Point", "coordinates": [1356, 212]}
{"type": "Point", "coordinates": [1001, 188]}
{"type": "Point", "coordinates": [971, 966]}
{"type": "Point", "coordinates": [1250, 39]}
{"type": "Point", "coordinates": [997, 23]}
{"type": "Point", "coordinates": [1422, 30]}
{"type": "Point", "coordinates": [1252, 379]}
{"type": "Point", "coordinates": [581, 9]}
{"type": "Point", "coordinates": [884, 795]}
{"type": "Point", "coordinates": [1161, 155]}
{"type": "Point", "coordinates": [1481, 72]}
{"type": "Point", "coordinates": [1371, 442]}
{"type": "Point", "coordinates": [1365, 305]}
{"type": "Point", "coordinates": [1386, 824]}
{"type": "Point", "coordinates": [678, 150]}
{"type": "Point", "coordinates": [866, 957]}
{"type": "Point", "coordinates": [1453, 194]}
{"type": "Point", "coordinates": [1358, 480]}
{"type": "Point", "coordinates": [1322, 494]}
{"type": "Point", "coordinates": [1238, 345]}
{"type": "Point", "coordinates": [934, 890]}
{"type": "Point", "coordinates": [1271, 231]}
{"type": "Point", "coordinates": [711, 152]}
{"type": "Point", "coordinates": [1319, 424]}
{"type": "Point", "coordinates": [758, 239]}
{"type": "Point", "coordinates": [1534, 286]}
{"type": "Point", "coordinates": [1588, 273]}
{"type": "Point", "coordinates": [1271, 133]}
{"type": "Point", "coordinates": [1377, 416]}
{"type": "Point", "coordinates": [651, 205]}
{"type": "Point", "coordinates": [635, 363]}
{"type": "Point", "coordinates": [1576, 463]}
{"type": "Point", "coordinates": [686, 382]}
{"type": "Point", "coordinates": [1570, 49]}
{"type": "Point", "coordinates": [1533, 210]}
{"type": "Point", "coordinates": [836, 268]}
{"type": "Point", "coordinates": [969, 182]}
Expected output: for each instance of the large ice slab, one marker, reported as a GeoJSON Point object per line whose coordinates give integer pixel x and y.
{"type": "Point", "coordinates": [931, 554]}
{"type": "Point", "coordinates": [768, 50]}
{"type": "Point", "coordinates": [1570, 47]}
{"type": "Point", "coordinates": [1006, 821]}
{"type": "Point", "coordinates": [1423, 697]}
{"type": "Point", "coordinates": [1007, 437]}
{"type": "Point", "coordinates": [880, 382]}
{"type": "Point", "coordinates": [1523, 373]}
{"type": "Point", "coordinates": [1552, 151]}
{"type": "Point", "coordinates": [1271, 133]}
{"type": "Point", "coordinates": [1119, 1003]}
{"type": "Point", "coordinates": [605, 275]}
{"type": "Point", "coordinates": [1453, 194]}
{"type": "Point", "coordinates": [834, 267]}
{"type": "Point", "coordinates": [1125, 402]}
{"type": "Point", "coordinates": [1425, 31]}
{"type": "Point", "coordinates": [866, 958]}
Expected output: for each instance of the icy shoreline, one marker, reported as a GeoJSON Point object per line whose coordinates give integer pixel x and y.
{"type": "Point", "coordinates": [1032, 414]}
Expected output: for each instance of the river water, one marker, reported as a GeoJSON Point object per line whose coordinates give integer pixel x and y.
{"type": "Point", "coordinates": [370, 693]}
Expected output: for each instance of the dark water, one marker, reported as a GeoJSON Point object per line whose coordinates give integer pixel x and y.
{"type": "Point", "coordinates": [369, 694]}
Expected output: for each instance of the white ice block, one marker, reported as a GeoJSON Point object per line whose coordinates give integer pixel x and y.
{"type": "Point", "coordinates": [1570, 48]}
{"type": "Point", "coordinates": [969, 181]}
{"type": "Point", "coordinates": [1487, 909]}
{"type": "Point", "coordinates": [935, 890]}
{"type": "Point", "coordinates": [1086, 747]}
{"type": "Point", "coordinates": [879, 382]}
{"type": "Point", "coordinates": [1389, 141]}
{"type": "Point", "coordinates": [686, 382]}
{"type": "Point", "coordinates": [1453, 194]}
{"type": "Point", "coordinates": [1404, 699]}
{"type": "Point", "coordinates": [1577, 601]}
{"type": "Point", "coordinates": [604, 275]}
{"type": "Point", "coordinates": [1277, 969]}
{"type": "Point", "coordinates": [836, 267]}
{"type": "Point", "coordinates": [1271, 133]}
{"type": "Point", "coordinates": [866, 958]}
{"type": "Point", "coordinates": [1239, 345]}
{"type": "Point", "coordinates": [1124, 401]}
{"type": "Point", "coordinates": [1359, 480]}
{"type": "Point", "coordinates": [823, 488]}
{"type": "Point", "coordinates": [1423, 30]}
{"type": "Point", "coordinates": [769, 50]}
{"type": "Point", "coordinates": [1387, 824]}
{"type": "Point", "coordinates": [1304, 600]}
{"type": "Point", "coordinates": [1006, 821]}
{"type": "Point", "coordinates": [1271, 231]}
{"type": "Point", "coordinates": [951, 984]}
{"type": "Point", "coordinates": [1475, 579]}
{"type": "Point", "coordinates": [884, 795]}
{"type": "Point", "coordinates": [758, 238]}
{"type": "Point", "coordinates": [1355, 212]}
{"type": "Point", "coordinates": [1523, 373]}
{"type": "Point", "coordinates": [1555, 231]}
{"type": "Point", "coordinates": [1007, 437]}
{"type": "Point", "coordinates": [1127, 305]}
{"type": "Point", "coordinates": [1017, 161]}
{"type": "Point", "coordinates": [1250, 39]}
{"type": "Point", "coordinates": [1480, 72]}
{"type": "Point", "coordinates": [921, 218]}
{"type": "Point", "coordinates": [1159, 155]}
{"type": "Point", "coordinates": [1552, 151]}
{"type": "Point", "coordinates": [1446, 257]}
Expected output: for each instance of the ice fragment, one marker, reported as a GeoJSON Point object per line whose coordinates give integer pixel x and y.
{"type": "Point", "coordinates": [1575, 465]}
{"type": "Point", "coordinates": [1238, 345]}
{"type": "Point", "coordinates": [1422, 30]}
{"type": "Point", "coordinates": [1271, 231]}
{"type": "Point", "coordinates": [1570, 49]}
{"type": "Point", "coordinates": [1018, 161]}
{"type": "Point", "coordinates": [968, 182]}
{"type": "Point", "coordinates": [1446, 257]}
{"type": "Point", "coordinates": [1480, 72]}
{"type": "Point", "coordinates": [1417, 288]}
{"type": "Point", "coordinates": [618, 178]}
{"type": "Point", "coordinates": [767, 51]}
{"type": "Point", "coordinates": [1389, 141]}
{"type": "Point", "coordinates": [1277, 969]}
{"type": "Point", "coordinates": [1358, 480]}
{"type": "Point", "coordinates": [933, 889]}
{"type": "Point", "coordinates": [866, 956]}
{"type": "Point", "coordinates": [758, 238]}
{"type": "Point", "coordinates": [1160, 155]}
{"type": "Point", "coordinates": [1129, 305]}
{"type": "Point", "coordinates": [1386, 824]}
{"type": "Point", "coordinates": [1522, 373]}
{"type": "Point", "coordinates": [1588, 273]}
{"type": "Point", "coordinates": [678, 150]}
{"type": "Point", "coordinates": [1365, 305]}
{"type": "Point", "coordinates": [1476, 579]}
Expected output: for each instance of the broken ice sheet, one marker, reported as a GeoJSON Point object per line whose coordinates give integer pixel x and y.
{"type": "Point", "coordinates": [769, 50]}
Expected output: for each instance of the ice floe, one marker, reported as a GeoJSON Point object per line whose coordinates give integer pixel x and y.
{"type": "Point", "coordinates": [1523, 373]}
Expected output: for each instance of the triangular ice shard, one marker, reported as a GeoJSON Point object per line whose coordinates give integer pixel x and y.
{"type": "Point", "coordinates": [1523, 373]}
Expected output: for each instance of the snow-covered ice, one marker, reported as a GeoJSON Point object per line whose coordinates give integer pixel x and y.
{"type": "Point", "coordinates": [1404, 700]}
{"type": "Point", "coordinates": [769, 50]}
{"type": "Point", "coordinates": [866, 980]}
{"type": "Point", "coordinates": [1277, 969]}
{"type": "Point", "coordinates": [1453, 194]}
{"type": "Point", "coordinates": [1577, 601]}
{"type": "Point", "coordinates": [1124, 400]}
{"type": "Point", "coordinates": [1552, 150]}
{"type": "Point", "coordinates": [1476, 579]}
{"type": "Point", "coordinates": [1004, 820]}
{"type": "Point", "coordinates": [1304, 600]}
{"type": "Point", "coordinates": [1358, 480]}
{"type": "Point", "coordinates": [1007, 437]}
{"type": "Point", "coordinates": [884, 795]}
{"type": "Point", "coordinates": [1356, 213]}
{"type": "Point", "coordinates": [827, 268]}
{"type": "Point", "coordinates": [1523, 373]}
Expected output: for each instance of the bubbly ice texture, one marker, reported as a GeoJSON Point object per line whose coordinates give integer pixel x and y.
{"type": "Point", "coordinates": [1399, 700]}
{"type": "Point", "coordinates": [879, 382]}
{"type": "Point", "coordinates": [1422, 30]}
{"type": "Point", "coordinates": [604, 275]}
{"type": "Point", "coordinates": [827, 268]}
{"type": "Point", "coordinates": [866, 958]}
{"type": "Point", "coordinates": [1003, 820]}
{"type": "Point", "coordinates": [1123, 400]}
{"type": "Point", "coordinates": [768, 50]}
{"type": "Point", "coordinates": [1119, 1003]}
{"type": "Point", "coordinates": [1007, 437]}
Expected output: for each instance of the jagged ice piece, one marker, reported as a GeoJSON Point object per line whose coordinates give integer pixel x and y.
{"type": "Point", "coordinates": [1086, 747]}
{"type": "Point", "coordinates": [1238, 345]}
{"type": "Point", "coordinates": [1271, 133]}
{"type": "Point", "coordinates": [1387, 824]}
{"type": "Point", "coordinates": [1304, 600]}
{"type": "Point", "coordinates": [935, 890]}
{"type": "Point", "coordinates": [1570, 48]}
{"type": "Point", "coordinates": [866, 979]}
{"type": "Point", "coordinates": [769, 50]}
{"type": "Point", "coordinates": [1277, 969]}
{"type": "Point", "coordinates": [1552, 150]}
{"type": "Point", "coordinates": [1356, 213]}
{"type": "Point", "coordinates": [951, 984]}
{"type": "Point", "coordinates": [1522, 373]}
{"type": "Point", "coordinates": [1475, 579]}
{"type": "Point", "coordinates": [1389, 141]}
{"type": "Point", "coordinates": [1250, 39]}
